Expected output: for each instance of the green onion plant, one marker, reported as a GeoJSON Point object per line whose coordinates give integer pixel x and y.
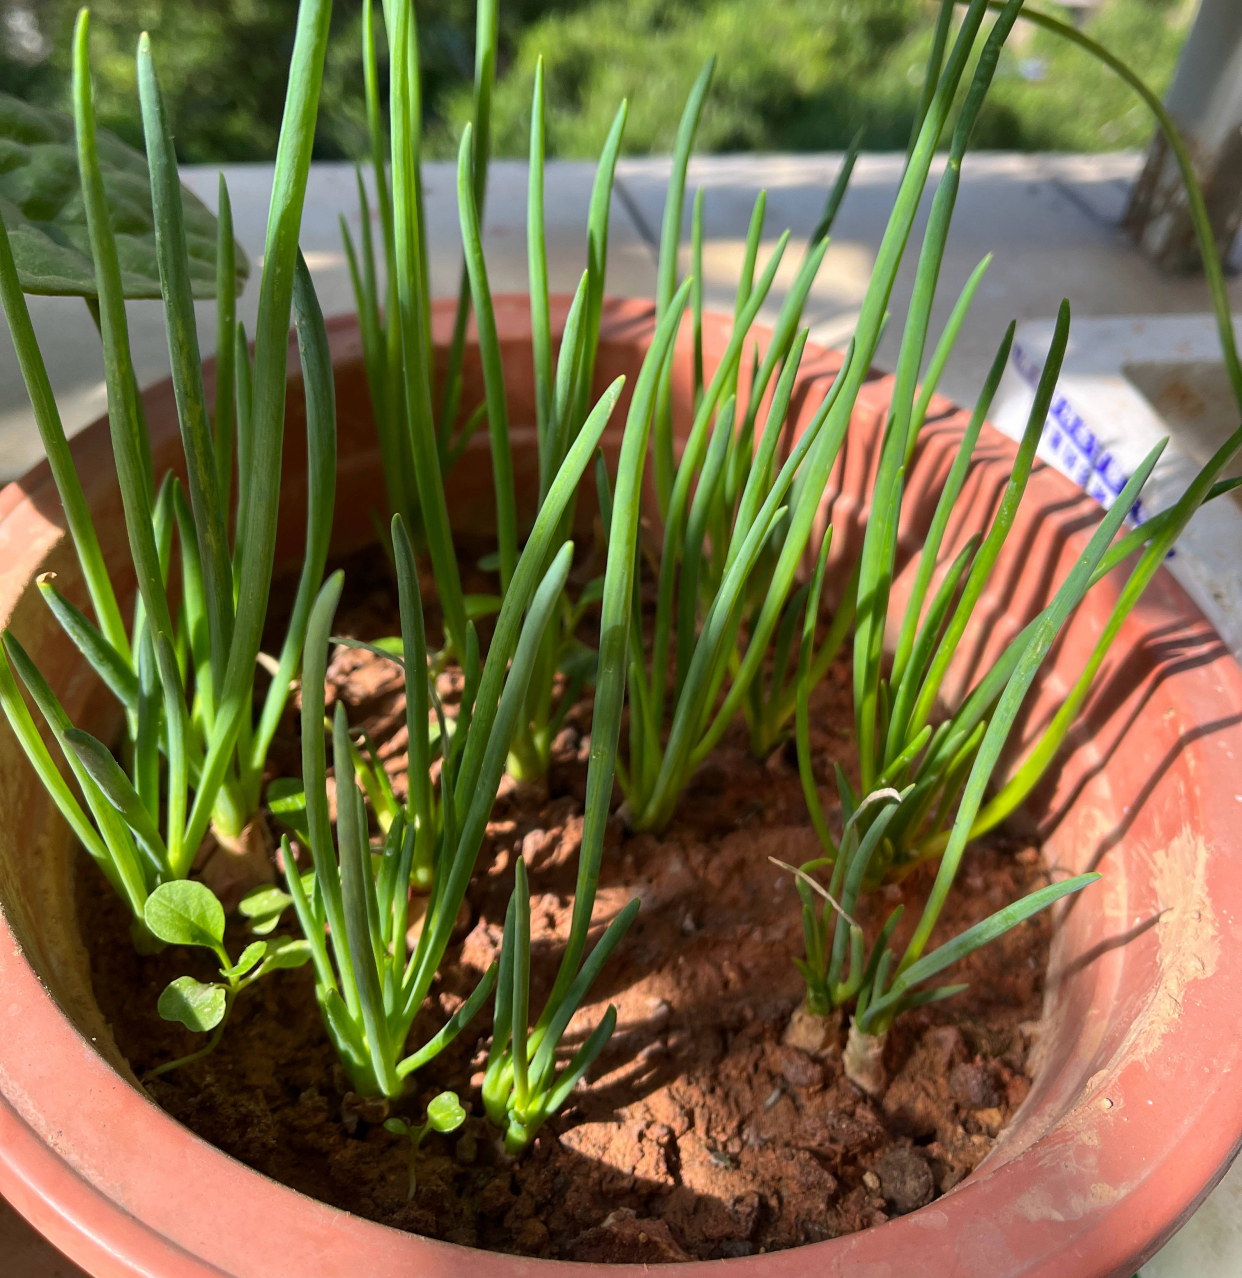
{"type": "Point", "coordinates": [411, 434]}
{"type": "Point", "coordinates": [724, 503]}
{"type": "Point", "coordinates": [924, 776]}
{"type": "Point", "coordinates": [184, 667]}
{"type": "Point", "coordinates": [355, 912]}
{"type": "Point", "coordinates": [522, 1087]}
{"type": "Point", "coordinates": [715, 670]}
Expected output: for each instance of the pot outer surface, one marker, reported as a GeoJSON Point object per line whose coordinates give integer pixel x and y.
{"type": "Point", "coordinates": [1133, 1116]}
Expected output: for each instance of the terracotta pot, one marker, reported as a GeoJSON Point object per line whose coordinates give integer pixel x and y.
{"type": "Point", "coordinates": [1133, 1116]}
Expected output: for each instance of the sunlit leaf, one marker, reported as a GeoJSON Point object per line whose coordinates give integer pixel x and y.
{"type": "Point", "coordinates": [250, 956]}
{"type": "Point", "coordinates": [445, 1113]}
{"type": "Point", "coordinates": [197, 1006]}
{"type": "Point", "coordinates": [264, 906]}
{"type": "Point", "coordinates": [285, 952]}
{"type": "Point", "coordinates": [185, 913]}
{"type": "Point", "coordinates": [286, 800]}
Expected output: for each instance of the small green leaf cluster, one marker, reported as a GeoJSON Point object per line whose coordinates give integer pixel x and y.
{"type": "Point", "coordinates": [444, 1115]}
{"type": "Point", "coordinates": [187, 913]}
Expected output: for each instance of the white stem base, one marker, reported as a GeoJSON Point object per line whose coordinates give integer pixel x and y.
{"type": "Point", "coordinates": [864, 1061]}
{"type": "Point", "coordinates": [808, 1032]}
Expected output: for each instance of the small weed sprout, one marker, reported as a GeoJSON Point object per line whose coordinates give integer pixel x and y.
{"type": "Point", "coordinates": [444, 1115]}
{"type": "Point", "coordinates": [187, 913]}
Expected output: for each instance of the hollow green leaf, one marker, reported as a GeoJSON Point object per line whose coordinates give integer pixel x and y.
{"type": "Point", "coordinates": [358, 904]}
{"type": "Point", "coordinates": [975, 938]}
{"type": "Point", "coordinates": [666, 269]}
{"type": "Point", "coordinates": [489, 351]}
{"type": "Point", "coordinates": [197, 1006]}
{"type": "Point", "coordinates": [582, 1061]}
{"type": "Point", "coordinates": [537, 263]}
{"type": "Point", "coordinates": [264, 431]}
{"type": "Point", "coordinates": [342, 1028]}
{"type": "Point", "coordinates": [116, 853]}
{"type": "Point", "coordinates": [320, 392]}
{"type": "Point", "coordinates": [172, 250]}
{"type": "Point", "coordinates": [111, 667]}
{"type": "Point", "coordinates": [104, 770]}
{"type": "Point", "coordinates": [480, 790]}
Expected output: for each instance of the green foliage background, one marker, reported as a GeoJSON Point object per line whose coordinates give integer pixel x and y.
{"type": "Point", "coordinates": [792, 75]}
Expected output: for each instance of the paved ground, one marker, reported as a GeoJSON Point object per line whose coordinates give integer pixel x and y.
{"type": "Point", "coordinates": [1051, 221]}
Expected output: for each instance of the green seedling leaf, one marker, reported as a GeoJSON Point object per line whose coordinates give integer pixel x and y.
{"type": "Point", "coordinates": [261, 901]}
{"type": "Point", "coordinates": [264, 906]}
{"type": "Point", "coordinates": [396, 1126]}
{"type": "Point", "coordinates": [285, 952]}
{"type": "Point", "coordinates": [286, 801]}
{"type": "Point", "coordinates": [41, 206]}
{"type": "Point", "coordinates": [445, 1114]}
{"type": "Point", "coordinates": [197, 1006]}
{"type": "Point", "coordinates": [250, 956]}
{"type": "Point", "coordinates": [185, 913]}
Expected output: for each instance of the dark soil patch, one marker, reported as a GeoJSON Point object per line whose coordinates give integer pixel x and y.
{"type": "Point", "coordinates": [700, 1134]}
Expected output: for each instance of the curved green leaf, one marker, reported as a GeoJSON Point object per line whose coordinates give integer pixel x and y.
{"type": "Point", "coordinates": [197, 1006]}
{"type": "Point", "coordinates": [185, 913]}
{"type": "Point", "coordinates": [252, 954]}
{"type": "Point", "coordinates": [284, 953]}
{"type": "Point", "coordinates": [444, 1113]}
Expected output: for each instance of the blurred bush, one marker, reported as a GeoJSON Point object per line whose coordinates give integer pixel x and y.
{"type": "Point", "coordinates": [791, 74]}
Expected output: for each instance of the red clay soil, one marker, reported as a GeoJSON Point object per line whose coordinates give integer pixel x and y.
{"type": "Point", "coordinates": [700, 1133]}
